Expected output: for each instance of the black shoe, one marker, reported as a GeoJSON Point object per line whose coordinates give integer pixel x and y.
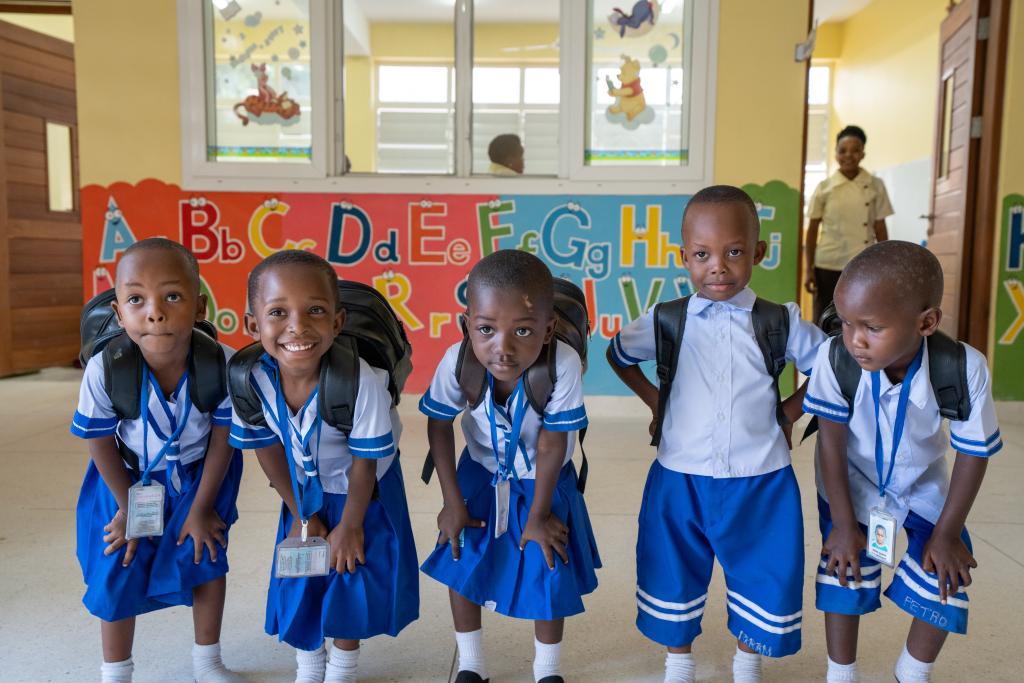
{"type": "Point", "coordinates": [470, 677]}
{"type": "Point", "coordinates": [552, 679]}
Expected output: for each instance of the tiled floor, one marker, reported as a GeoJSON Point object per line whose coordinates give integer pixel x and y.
{"type": "Point", "coordinates": [46, 634]}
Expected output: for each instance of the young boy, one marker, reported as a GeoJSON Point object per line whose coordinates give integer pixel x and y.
{"type": "Point", "coordinates": [515, 482]}
{"type": "Point", "coordinates": [883, 458]}
{"type": "Point", "coordinates": [178, 448]}
{"type": "Point", "coordinates": [722, 485]}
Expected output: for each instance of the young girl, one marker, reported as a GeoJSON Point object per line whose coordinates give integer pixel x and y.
{"type": "Point", "coordinates": [848, 209]}
{"type": "Point", "coordinates": [183, 451]}
{"type": "Point", "coordinates": [346, 490]}
{"type": "Point", "coordinates": [515, 534]}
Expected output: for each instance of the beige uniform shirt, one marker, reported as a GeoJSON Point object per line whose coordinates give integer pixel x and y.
{"type": "Point", "coordinates": [848, 210]}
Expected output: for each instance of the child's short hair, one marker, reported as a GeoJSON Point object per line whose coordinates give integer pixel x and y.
{"type": "Point", "coordinates": [898, 266]}
{"type": "Point", "coordinates": [725, 194]}
{"type": "Point", "coordinates": [164, 244]}
{"type": "Point", "coordinates": [292, 257]}
{"type": "Point", "coordinates": [516, 270]}
{"type": "Point", "coordinates": [853, 132]}
{"type": "Point", "coordinates": [504, 148]}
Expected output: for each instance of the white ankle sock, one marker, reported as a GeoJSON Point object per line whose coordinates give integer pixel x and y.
{"type": "Point", "coordinates": [207, 666]}
{"type": "Point", "coordinates": [746, 667]}
{"type": "Point", "coordinates": [912, 670]}
{"type": "Point", "coordinates": [471, 652]}
{"type": "Point", "coordinates": [680, 668]}
{"type": "Point", "coordinates": [311, 665]}
{"type": "Point", "coordinates": [342, 665]}
{"type": "Point", "coordinates": [547, 659]}
{"type": "Point", "coordinates": [842, 673]}
{"type": "Point", "coordinates": [117, 672]}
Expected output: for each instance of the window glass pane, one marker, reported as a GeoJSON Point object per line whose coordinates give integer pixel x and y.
{"type": "Point", "coordinates": [818, 85]}
{"type": "Point", "coordinates": [59, 183]}
{"type": "Point", "coordinates": [638, 102]}
{"type": "Point", "coordinates": [515, 87]}
{"type": "Point", "coordinates": [258, 78]}
{"type": "Point", "coordinates": [399, 86]}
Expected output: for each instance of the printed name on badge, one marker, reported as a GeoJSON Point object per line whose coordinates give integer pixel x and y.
{"type": "Point", "coordinates": [297, 559]}
{"type": "Point", "coordinates": [145, 510]}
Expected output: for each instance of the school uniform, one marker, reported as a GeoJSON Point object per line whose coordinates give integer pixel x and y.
{"type": "Point", "coordinates": [494, 572]}
{"type": "Point", "coordinates": [163, 573]}
{"type": "Point", "coordinates": [722, 484]}
{"type": "Point", "coordinates": [916, 492]}
{"type": "Point", "coordinates": [848, 209]}
{"type": "Point", "coordinates": [382, 596]}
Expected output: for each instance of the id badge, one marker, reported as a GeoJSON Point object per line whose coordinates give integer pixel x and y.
{"type": "Point", "coordinates": [145, 510]}
{"type": "Point", "coordinates": [501, 495]}
{"type": "Point", "coordinates": [882, 536]}
{"type": "Point", "coordinates": [297, 558]}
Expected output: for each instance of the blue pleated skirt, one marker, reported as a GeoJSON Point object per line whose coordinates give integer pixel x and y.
{"type": "Point", "coordinates": [382, 596]}
{"type": "Point", "coordinates": [495, 573]}
{"type": "Point", "coordinates": [163, 574]}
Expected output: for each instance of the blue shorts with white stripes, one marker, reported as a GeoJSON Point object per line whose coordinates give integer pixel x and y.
{"type": "Point", "coordinates": [914, 590]}
{"type": "Point", "coordinates": [753, 526]}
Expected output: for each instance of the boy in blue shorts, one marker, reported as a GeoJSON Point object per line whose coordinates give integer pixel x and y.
{"type": "Point", "coordinates": [722, 485]}
{"type": "Point", "coordinates": [881, 458]}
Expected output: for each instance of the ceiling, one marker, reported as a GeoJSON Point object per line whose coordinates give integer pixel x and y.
{"type": "Point", "coordinates": [836, 11]}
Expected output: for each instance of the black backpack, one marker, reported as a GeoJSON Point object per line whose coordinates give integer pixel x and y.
{"type": "Point", "coordinates": [572, 326]}
{"type": "Point", "coordinates": [122, 363]}
{"type": "Point", "coordinates": [947, 370]}
{"type": "Point", "coordinates": [771, 329]}
{"type": "Point", "coordinates": [372, 332]}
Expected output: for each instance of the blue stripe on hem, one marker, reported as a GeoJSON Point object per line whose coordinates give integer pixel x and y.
{"type": "Point", "coordinates": [831, 417]}
{"type": "Point", "coordinates": [843, 410]}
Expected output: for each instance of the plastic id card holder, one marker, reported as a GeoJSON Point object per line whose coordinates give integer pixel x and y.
{"type": "Point", "coordinates": [145, 510]}
{"type": "Point", "coordinates": [882, 536]}
{"type": "Point", "coordinates": [501, 503]}
{"type": "Point", "coordinates": [298, 559]}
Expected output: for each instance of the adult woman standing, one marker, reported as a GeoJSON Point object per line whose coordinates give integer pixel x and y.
{"type": "Point", "coordinates": [848, 209]}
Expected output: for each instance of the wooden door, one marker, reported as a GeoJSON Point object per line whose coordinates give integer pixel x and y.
{"type": "Point", "coordinates": [40, 228]}
{"type": "Point", "coordinates": [951, 233]}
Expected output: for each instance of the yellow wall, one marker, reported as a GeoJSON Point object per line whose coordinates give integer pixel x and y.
{"type": "Point", "coordinates": [759, 118]}
{"type": "Point", "coordinates": [829, 41]}
{"type": "Point", "coordinates": [56, 25]}
{"type": "Point", "coordinates": [126, 74]}
{"type": "Point", "coordinates": [886, 78]}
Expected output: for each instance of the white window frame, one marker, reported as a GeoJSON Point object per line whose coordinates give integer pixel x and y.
{"type": "Point", "coordinates": [323, 174]}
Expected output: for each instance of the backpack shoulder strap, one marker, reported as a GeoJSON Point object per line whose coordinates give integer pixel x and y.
{"type": "Point", "coordinates": [206, 363]}
{"type": "Point", "coordinates": [339, 384]}
{"type": "Point", "coordinates": [540, 378]}
{"type": "Point", "coordinates": [470, 374]}
{"type": "Point", "coordinates": [845, 368]}
{"type": "Point", "coordinates": [771, 330]}
{"type": "Point", "coordinates": [244, 400]}
{"type": "Point", "coordinates": [122, 376]}
{"type": "Point", "coordinates": [947, 371]}
{"type": "Point", "coordinates": [669, 325]}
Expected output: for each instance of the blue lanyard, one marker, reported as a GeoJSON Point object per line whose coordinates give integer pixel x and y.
{"type": "Point", "coordinates": [178, 426]}
{"type": "Point", "coordinates": [507, 469]}
{"type": "Point", "coordinates": [898, 423]}
{"type": "Point", "coordinates": [311, 503]}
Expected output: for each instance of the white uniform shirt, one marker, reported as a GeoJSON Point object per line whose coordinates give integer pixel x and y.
{"type": "Point", "coordinates": [848, 210]}
{"type": "Point", "coordinates": [919, 480]}
{"type": "Point", "coordinates": [95, 417]}
{"type": "Point", "coordinates": [721, 418]}
{"type": "Point", "coordinates": [376, 427]}
{"type": "Point", "coordinates": [564, 412]}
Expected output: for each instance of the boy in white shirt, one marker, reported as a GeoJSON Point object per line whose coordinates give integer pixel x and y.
{"type": "Point", "coordinates": [881, 460]}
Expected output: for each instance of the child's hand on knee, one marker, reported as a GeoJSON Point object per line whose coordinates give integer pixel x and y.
{"type": "Point", "coordinates": [206, 529]}
{"type": "Point", "coordinates": [347, 547]}
{"type": "Point", "coordinates": [551, 534]}
{"type": "Point", "coordinates": [452, 519]}
{"type": "Point", "coordinates": [116, 537]}
{"type": "Point", "coordinates": [843, 547]}
{"type": "Point", "coordinates": [947, 556]}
